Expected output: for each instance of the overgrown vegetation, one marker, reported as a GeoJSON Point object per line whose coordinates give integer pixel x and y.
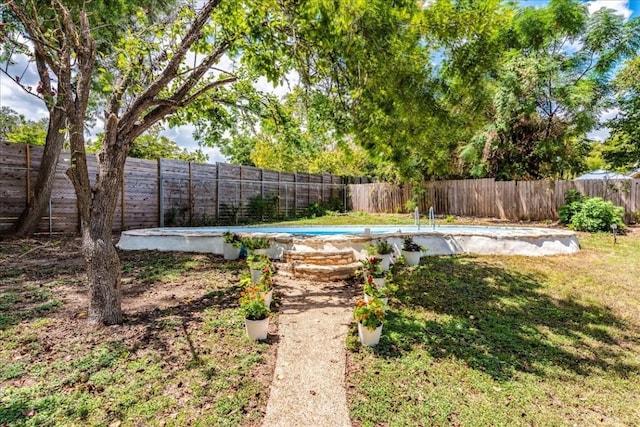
{"type": "Point", "coordinates": [590, 214]}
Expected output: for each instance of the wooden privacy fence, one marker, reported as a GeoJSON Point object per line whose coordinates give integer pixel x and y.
{"type": "Point", "coordinates": [166, 192]}
{"type": "Point", "coordinates": [513, 200]}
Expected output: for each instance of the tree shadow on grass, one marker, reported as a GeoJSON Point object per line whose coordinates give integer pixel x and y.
{"type": "Point", "coordinates": [500, 322]}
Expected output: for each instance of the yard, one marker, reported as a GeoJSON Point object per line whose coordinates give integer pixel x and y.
{"type": "Point", "coordinates": [469, 341]}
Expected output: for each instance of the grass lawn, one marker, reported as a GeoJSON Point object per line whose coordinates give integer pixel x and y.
{"type": "Point", "coordinates": [469, 341]}
{"type": "Point", "coordinates": [181, 358]}
{"type": "Point", "coordinates": [507, 341]}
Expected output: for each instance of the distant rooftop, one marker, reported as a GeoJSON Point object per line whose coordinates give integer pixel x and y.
{"type": "Point", "coordinates": [603, 174]}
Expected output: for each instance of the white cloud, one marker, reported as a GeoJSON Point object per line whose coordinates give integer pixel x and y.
{"type": "Point", "coordinates": [290, 80]}
{"type": "Point", "coordinates": [599, 134]}
{"type": "Point", "coordinates": [609, 114]}
{"type": "Point", "coordinates": [183, 135]}
{"type": "Point", "coordinates": [622, 7]}
{"type": "Point", "coordinates": [603, 133]}
{"type": "Point", "coordinates": [13, 96]}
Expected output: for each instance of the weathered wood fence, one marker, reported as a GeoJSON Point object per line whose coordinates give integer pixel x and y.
{"type": "Point", "coordinates": [166, 192]}
{"type": "Point", "coordinates": [169, 192]}
{"type": "Point", "coordinates": [513, 200]}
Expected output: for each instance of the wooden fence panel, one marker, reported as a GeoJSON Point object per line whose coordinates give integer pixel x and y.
{"type": "Point", "coordinates": [229, 194]}
{"type": "Point", "coordinates": [205, 200]}
{"type": "Point", "coordinates": [250, 188]}
{"type": "Point", "coordinates": [301, 191]}
{"type": "Point", "coordinates": [315, 189]}
{"type": "Point", "coordinates": [158, 192]}
{"type": "Point", "coordinates": [286, 191]}
{"type": "Point", "coordinates": [14, 176]}
{"type": "Point", "coordinates": [513, 200]}
{"type": "Point", "coordinates": [141, 195]}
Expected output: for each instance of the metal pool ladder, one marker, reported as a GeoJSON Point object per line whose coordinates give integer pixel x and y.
{"type": "Point", "coordinates": [432, 218]}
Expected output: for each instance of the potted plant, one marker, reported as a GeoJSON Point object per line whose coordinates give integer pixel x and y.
{"type": "Point", "coordinates": [372, 290]}
{"type": "Point", "coordinates": [411, 251]}
{"type": "Point", "coordinates": [259, 265]}
{"type": "Point", "coordinates": [256, 313]}
{"type": "Point", "coordinates": [264, 285]}
{"type": "Point", "coordinates": [370, 317]}
{"type": "Point", "coordinates": [231, 245]}
{"type": "Point", "coordinates": [381, 249]}
{"type": "Point", "coordinates": [372, 267]}
{"type": "Point", "coordinates": [256, 245]}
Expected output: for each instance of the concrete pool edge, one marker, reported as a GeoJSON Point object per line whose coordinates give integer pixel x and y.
{"type": "Point", "coordinates": [512, 241]}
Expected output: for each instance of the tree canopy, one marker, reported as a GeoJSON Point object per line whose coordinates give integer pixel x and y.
{"type": "Point", "coordinates": [622, 149]}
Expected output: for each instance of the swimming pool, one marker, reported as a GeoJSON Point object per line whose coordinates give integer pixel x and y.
{"type": "Point", "coordinates": [441, 240]}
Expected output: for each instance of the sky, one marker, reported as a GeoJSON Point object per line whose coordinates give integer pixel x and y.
{"type": "Point", "coordinates": [13, 96]}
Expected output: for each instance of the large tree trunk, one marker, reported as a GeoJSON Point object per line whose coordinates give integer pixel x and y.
{"type": "Point", "coordinates": [97, 208]}
{"type": "Point", "coordinates": [27, 222]}
{"type": "Point", "coordinates": [103, 273]}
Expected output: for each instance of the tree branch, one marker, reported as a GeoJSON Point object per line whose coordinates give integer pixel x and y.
{"type": "Point", "coordinates": [170, 71]}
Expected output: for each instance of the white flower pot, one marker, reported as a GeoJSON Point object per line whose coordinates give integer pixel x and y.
{"type": "Point", "coordinates": [412, 257]}
{"type": "Point", "coordinates": [379, 281]}
{"type": "Point", "coordinates": [231, 252]}
{"type": "Point", "coordinates": [268, 296]}
{"type": "Point", "coordinates": [257, 329]}
{"type": "Point", "coordinates": [386, 261]}
{"type": "Point", "coordinates": [368, 298]}
{"type": "Point", "coordinates": [369, 337]}
{"type": "Point", "coordinates": [255, 275]}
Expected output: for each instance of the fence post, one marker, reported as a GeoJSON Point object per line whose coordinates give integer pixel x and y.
{"type": "Point", "coordinates": [217, 190]}
{"type": "Point", "coordinates": [308, 190]}
{"type": "Point", "coordinates": [28, 155]}
{"type": "Point", "coordinates": [240, 198]}
{"type": "Point", "coordinates": [160, 195]}
{"type": "Point", "coordinates": [122, 214]}
{"type": "Point", "coordinates": [344, 194]}
{"type": "Point", "coordinates": [190, 195]}
{"type": "Point", "coordinates": [295, 194]}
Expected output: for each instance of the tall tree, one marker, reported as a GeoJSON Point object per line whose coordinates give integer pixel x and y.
{"type": "Point", "coordinates": [622, 149]}
{"type": "Point", "coordinates": [550, 87]}
{"type": "Point", "coordinates": [151, 78]}
{"type": "Point", "coordinates": [370, 60]}
{"type": "Point", "coordinates": [107, 17]}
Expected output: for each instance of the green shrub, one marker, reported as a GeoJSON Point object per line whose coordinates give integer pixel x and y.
{"type": "Point", "coordinates": [263, 208]}
{"type": "Point", "coordinates": [595, 214]}
{"type": "Point", "coordinates": [316, 210]}
{"type": "Point", "coordinates": [572, 203]}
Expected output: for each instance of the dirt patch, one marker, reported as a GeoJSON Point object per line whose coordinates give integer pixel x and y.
{"type": "Point", "coordinates": [171, 303]}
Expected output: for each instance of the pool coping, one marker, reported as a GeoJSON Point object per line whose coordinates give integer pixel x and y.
{"type": "Point", "coordinates": [528, 241]}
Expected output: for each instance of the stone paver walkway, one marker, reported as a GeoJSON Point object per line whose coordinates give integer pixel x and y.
{"type": "Point", "coordinates": [308, 387]}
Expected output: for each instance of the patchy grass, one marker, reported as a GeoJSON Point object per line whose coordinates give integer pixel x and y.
{"type": "Point", "coordinates": [181, 357]}
{"type": "Point", "coordinates": [470, 341]}
{"type": "Point", "coordinates": [507, 341]}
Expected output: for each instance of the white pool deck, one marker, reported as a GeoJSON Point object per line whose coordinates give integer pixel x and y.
{"type": "Point", "coordinates": [441, 240]}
